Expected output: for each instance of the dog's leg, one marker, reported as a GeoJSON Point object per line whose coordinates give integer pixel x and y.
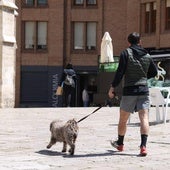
{"type": "Point", "coordinates": [74, 138]}
{"type": "Point", "coordinates": [64, 146]}
{"type": "Point", "coordinates": [72, 147]}
{"type": "Point", "coordinates": [52, 142]}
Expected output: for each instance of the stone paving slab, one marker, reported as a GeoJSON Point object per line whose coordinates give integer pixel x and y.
{"type": "Point", "coordinates": [24, 134]}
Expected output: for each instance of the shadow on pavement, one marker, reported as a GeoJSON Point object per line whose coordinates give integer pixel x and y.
{"type": "Point", "coordinates": [108, 153]}
{"type": "Point", "coordinates": [50, 153]}
{"type": "Point", "coordinates": [163, 143]}
{"type": "Point", "coordinates": [137, 124]}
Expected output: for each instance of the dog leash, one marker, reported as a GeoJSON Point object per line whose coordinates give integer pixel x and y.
{"type": "Point", "coordinates": [95, 110]}
{"type": "Point", "coordinates": [89, 114]}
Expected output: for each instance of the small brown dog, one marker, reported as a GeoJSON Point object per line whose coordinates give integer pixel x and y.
{"type": "Point", "coordinates": [66, 133]}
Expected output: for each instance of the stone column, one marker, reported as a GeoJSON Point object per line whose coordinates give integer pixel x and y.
{"type": "Point", "coordinates": [7, 53]}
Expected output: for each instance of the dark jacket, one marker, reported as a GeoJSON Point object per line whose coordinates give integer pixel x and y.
{"type": "Point", "coordinates": [138, 53]}
{"type": "Point", "coordinates": [70, 72]}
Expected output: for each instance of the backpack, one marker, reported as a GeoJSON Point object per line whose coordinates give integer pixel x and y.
{"type": "Point", "coordinates": [69, 80]}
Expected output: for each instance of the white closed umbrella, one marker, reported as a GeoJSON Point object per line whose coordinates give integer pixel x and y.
{"type": "Point", "coordinates": [106, 49]}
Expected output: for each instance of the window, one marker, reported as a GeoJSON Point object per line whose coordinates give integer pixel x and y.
{"type": "Point", "coordinates": [78, 35]}
{"type": "Point", "coordinates": [91, 36]}
{"type": "Point", "coordinates": [41, 2]}
{"type": "Point", "coordinates": [42, 35]}
{"type": "Point", "coordinates": [35, 36]}
{"type": "Point", "coordinates": [167, 18]}
{"type": "Point", "coordinates": [78, 2]}
{"type": "Point", "coordinates": [29, 35]}
{"type": "Point", "coordinates": [84, 35]}
{"type": "Point", "coordinates": [150, 17]}
{"type": "Point", "coordinates": [91, 2]}
{"type": "Point", "coordinates": [85, 2]}
{"type": "Point", "coordinates": [31, 3]}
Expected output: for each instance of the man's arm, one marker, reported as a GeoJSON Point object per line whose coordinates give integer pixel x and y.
{"type": "Point", "coordinates": [119, 73]}
{"type": "Point", "coordinates": [152, 71]}
{"type": "Point", "coordinates": [121, 69]}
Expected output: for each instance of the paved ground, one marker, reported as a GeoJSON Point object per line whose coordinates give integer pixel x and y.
{"type": "Point", "coordinates": [24, 134]}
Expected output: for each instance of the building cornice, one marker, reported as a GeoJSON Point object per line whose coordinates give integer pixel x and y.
{"type": "Point", "coordinates": [5, 3]}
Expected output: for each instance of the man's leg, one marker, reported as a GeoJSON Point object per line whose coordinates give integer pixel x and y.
{"type": "Point", "coordinates": [121, 130]}
{"type": "Point", "coordinates": [127, 106]}
{"type": "Point", "coordinates": [144, 120]}
{"type": "Point", "coordinates": [122, 122]}
{"type": "Point", "coordinates": [144, 130]}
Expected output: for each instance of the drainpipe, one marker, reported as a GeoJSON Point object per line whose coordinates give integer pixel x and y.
{"type": "Point", "coordinates": [103, 17]}
{"type": "Point", "coordinates": [158, 23]}
{"type": "Point", "coordinates": [64, 32]}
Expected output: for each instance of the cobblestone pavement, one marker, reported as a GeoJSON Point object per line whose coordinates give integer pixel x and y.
{"type": "Point", "coordinates": [24, 134]}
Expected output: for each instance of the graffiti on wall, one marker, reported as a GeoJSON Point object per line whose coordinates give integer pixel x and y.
{"type": "Point", "coordinates": [55, 80]}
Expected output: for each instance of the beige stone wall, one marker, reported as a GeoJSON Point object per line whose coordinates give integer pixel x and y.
{"type": "Point", "coordinates": [7, 54]}
{"type": "Point", "coordinates": [0, 56]}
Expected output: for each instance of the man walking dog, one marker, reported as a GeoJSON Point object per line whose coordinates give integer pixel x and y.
{"type": "Point", "coordinates": [135, 66]}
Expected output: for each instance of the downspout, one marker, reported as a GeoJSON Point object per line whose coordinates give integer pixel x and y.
{"type": "Point", "coordinates": [158, 23]}
{"type": "Point", "coordinates": [102, 30]}
{"type": "Point", "coordinates": [103, 18]}
{"type": "Point", "coordinates": [64, 32]}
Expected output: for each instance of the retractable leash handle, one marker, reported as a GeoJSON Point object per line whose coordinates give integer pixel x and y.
{"type": "Point", "coordinates": [115, 96]}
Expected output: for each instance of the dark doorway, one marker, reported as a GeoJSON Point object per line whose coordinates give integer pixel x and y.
{"type": "Point", "coordinates": [86, 79]}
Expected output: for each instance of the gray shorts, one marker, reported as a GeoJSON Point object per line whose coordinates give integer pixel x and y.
{"type": "Point", "coordinates": [134, 103]}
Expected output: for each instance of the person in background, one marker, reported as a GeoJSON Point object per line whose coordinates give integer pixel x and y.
{"type": "Point", "coordinates": [85, 97]}
{"type": "Point", "coordinates": [135, 66]}
{"type": "Point", "coordinates": [69, 84]}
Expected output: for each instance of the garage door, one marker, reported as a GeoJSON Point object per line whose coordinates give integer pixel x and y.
{"type": "Point", "coordinates": [34, 88]}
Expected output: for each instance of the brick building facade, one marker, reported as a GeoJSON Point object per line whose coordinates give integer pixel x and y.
{"type": "Point", "coordinates": [51, 33]}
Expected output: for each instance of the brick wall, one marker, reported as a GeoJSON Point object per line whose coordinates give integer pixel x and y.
{"type": "Point", "coordinates": [118, 17]}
